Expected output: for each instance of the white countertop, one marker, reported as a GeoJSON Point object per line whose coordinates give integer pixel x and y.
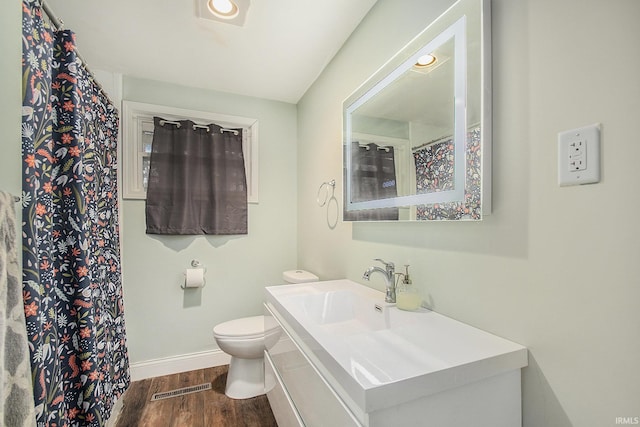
{"type": "Point", "coordinates": [386, 356]}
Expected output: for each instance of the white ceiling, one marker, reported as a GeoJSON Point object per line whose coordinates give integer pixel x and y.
{"type": "Point", "coordinates": [281, 49]}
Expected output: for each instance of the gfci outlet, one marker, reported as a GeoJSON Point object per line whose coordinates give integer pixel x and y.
{"type": "Point", "coordinates": [579, 156]}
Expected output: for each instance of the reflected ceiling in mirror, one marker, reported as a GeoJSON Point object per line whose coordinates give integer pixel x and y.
{"type": "Point", "coordinates": [417, 138]}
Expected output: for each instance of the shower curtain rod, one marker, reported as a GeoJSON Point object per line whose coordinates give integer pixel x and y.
{"type": "Point", "coordinates": [58, 24]}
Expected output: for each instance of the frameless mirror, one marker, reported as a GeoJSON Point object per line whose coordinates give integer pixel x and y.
{"type": "Point", "coordinates": [417, 133]}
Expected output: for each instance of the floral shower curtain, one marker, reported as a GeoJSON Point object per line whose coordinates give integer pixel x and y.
{"type": "Point", "coordinates": [71, 259]}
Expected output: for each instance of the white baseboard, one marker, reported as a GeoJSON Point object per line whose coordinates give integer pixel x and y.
{"type": "Point", "coordinates": [177, 364]}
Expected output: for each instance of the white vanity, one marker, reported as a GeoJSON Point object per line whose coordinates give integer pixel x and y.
{"type": "Point", "coordinates": [347, 358]}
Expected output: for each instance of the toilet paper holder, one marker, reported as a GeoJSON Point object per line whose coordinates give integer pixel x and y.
{"type": "Point", "coordinates": [194, 277]}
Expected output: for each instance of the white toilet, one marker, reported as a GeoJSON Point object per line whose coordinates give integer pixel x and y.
{"type": "Point", "coordinates": [245, 340]}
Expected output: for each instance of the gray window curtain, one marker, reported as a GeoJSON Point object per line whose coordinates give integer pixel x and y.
{"type": "Point", "coordinates": [197, 182]}
{"type": "Point", "coordinates": [373, 178]}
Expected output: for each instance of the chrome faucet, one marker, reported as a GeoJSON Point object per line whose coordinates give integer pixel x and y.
{"type": "Point", "coordinates": [389, 276]}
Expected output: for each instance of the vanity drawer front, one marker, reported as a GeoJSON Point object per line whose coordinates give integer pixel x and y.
{"type": "Point", "coordinates": [315, 401]}
{"type": "Point", "coordinates": [283, 408]}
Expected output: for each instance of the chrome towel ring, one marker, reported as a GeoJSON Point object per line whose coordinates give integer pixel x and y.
{"type": "Point", "coordinates": [325, 185]}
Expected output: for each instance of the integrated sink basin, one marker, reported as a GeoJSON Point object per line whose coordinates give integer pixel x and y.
{"type": "Point", "coordinates": [352, 309]}
{"type": "Point", "coordinates": [375, 356]}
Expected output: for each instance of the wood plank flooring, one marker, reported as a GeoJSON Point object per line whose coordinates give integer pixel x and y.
{"type": "Point", "coordinates": [209, 408]}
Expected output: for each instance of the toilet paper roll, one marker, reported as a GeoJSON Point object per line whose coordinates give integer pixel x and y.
{"type": "Point", "coordinates": [193, 278]}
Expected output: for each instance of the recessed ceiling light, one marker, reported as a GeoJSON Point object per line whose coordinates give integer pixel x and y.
{"type": "Point", "coordinates": [225, 9]}
{"type": "Point", "coordinates": [426, 60]}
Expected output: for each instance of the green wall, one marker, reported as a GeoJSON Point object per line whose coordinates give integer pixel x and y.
{"type": "Point", "coordinates": [552, 268]}
{"type": "Point", "coordinates": [162, 319]}
{"type": "Point", "coordinates": [11, 95]}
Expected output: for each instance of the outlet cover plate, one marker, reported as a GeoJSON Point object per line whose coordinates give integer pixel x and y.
{"type": "Point", "coordinates": [579, 156]}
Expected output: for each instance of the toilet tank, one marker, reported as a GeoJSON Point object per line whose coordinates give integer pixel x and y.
{"type": "Point", "coordinates": [299, 276]}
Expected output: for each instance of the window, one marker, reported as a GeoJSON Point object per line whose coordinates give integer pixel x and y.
{"type": "Point", "coordinates": [137, 131]}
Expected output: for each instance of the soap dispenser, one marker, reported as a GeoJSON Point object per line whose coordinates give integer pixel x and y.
{"type": "Point", "coordinates": [407, 297]}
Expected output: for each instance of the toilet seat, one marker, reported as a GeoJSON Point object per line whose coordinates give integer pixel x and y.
{"type": "Point", "coordinates": [246, 328]}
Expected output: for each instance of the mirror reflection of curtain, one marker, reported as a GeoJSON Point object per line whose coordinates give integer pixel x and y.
{"type": "Point", "coordinates": [197, 182]}
{"type": "Point", "coordinates": [434, 166]}
{"type": "Point", "coordinates": [435, 172]}
{"type": "Point", "coordinates": [373, 178]}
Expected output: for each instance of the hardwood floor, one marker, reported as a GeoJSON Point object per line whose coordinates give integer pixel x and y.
{"type": "Point", "coordinates": [209, 408]}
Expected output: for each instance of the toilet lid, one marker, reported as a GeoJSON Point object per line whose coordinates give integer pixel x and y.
{"type": "Point", "coordinates": [299, 276]}
{"type": "Point", "coordinates": [244, 327]}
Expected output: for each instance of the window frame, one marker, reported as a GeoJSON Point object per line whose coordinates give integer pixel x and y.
{"type": "Point", "coordinates": [132, 153]}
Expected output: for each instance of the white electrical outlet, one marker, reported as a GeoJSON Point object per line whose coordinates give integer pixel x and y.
{"type": "Point", "coordinates": [577, 148]}
{"type": "Point", "coordinates": [579, 156]}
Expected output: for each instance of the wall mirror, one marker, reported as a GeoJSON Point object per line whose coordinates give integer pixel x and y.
{"type": "Point", "coordinates": [417, 134]}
